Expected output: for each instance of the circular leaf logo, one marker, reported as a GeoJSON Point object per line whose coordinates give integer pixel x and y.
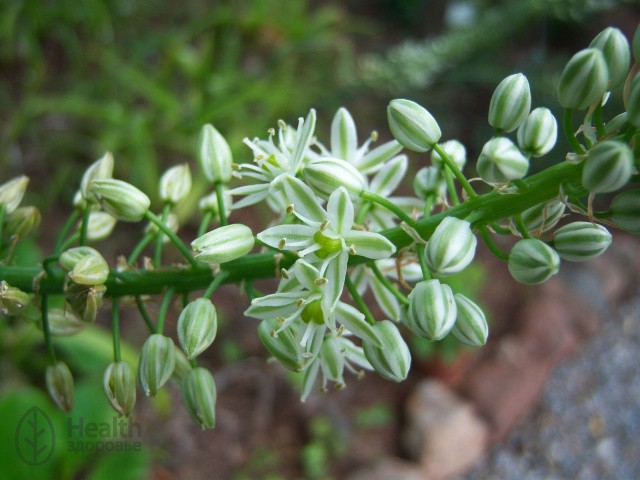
{"type": "Point", "coordinates": [35, 437]}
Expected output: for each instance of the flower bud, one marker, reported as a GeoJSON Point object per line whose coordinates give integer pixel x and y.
{"type": "Point", "coordinates": [615, 50]}
{"type": "Point", "coordinates": [78, 201]}
{"type": "Point", "coordinates": [101, 224]}
{"type": "Point", "coordinates": [539, 132]}
{"type": "Point", "coordinates": [392, 360]}
{"type": "Point", "coordinates": [11, 193]}
{"type": "Point", "coordinates": [199, 397]}
{"type": "Point", "coordinates": [325, 175]}
{"type": "Point", "coordinates": [510, 103]}
{"type": "Point", "coordinates": [197, 327]}
{"type": "Point", "coordinates": [429, 181]}
{"type": "Point", "coordinates": [175, 184]}
{"type": "Point", "coordinates": [456, 151]}
{"type": "Point", "coordinates": [157, 361]}
{"type": "Point", "coordinates": [90, 270]}
{"type": "Point", "coordinates": [214, 155]}
{"type": "Point", "coordinates": [541, 218]}
{"type": "Point", "coordinates": [533, 261]}
{"type": "Point", "coordinates": [100, 169]}
{"type": "Point", "coordinates": [60, 385]}
{"type": "Point", "coordinates": [332, 360]}
{"type": "Point", "coordinates": [432, 309]}
{"type": "Point", "coordinates": [608, 167]}
{"type": "Point", "coordinates": [224, 244]}
{"type": "Point", "coordinates": [471, 324]}
{"type": "Point", "coordinates": [71, 256]}
{"type": "Point", "coordinates": [119, 384]}
{"type": "Point", "coordinates": [12, 300]}
{"type": "Point", "coordinates": [501, 161]}
{"type": "Point", "coordinates": [63, 323]}
{"type": "Point", "coordinates": [451, 247]}
{"type": "Point", "coordinates": [412, 125]}
{"type": "Point", "coordinates": [633, 102]}
{"type": "Point", "coordinates": [121, 199]}
{"type": "Point", "coordinates": [584, 79]}
{"type": "Point", "coordinates": [21, 222]}
{"type": "Point", "coordinates": [581, 241]}
{"type": "Point", "coordinates": [85, 301]}
{"type": "Point", "coordinates": [282, 345]}
{"type": "Point", "coordinates": [182, 365]}
{"type": "Point", "coordinates": [625, 211]}
{"type": "Point", "coordinates": [620, 121]}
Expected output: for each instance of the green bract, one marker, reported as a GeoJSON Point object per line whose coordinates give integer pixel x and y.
{"type": "Point", "coordinates": [119, 384]}
{"type": "Point", "coordinates": [471, 324]}
{"type": "Point", "coordinates": [510, 103]}
{"type": "Point", "coordinates": [214, 155]}
{"type": "Point", "coordinates": [615, 50]}
{"type": "Point", "coordinates": [60, 385]}
{"type": "Point", "coordinates": [156, 364]}
{"type": "Point", "coordinates": [224, 244]}
{"type": "Point", "coordinates": [581, 241]}
{"type": "Point", "coordinates": [584, 79]}
{"type": "Point", "coordinates": [533, 261]}
{"type": "Point", "coordinates": [451, 247]}
{"type": "Point", "coordinates": [412, 125]}
{"type": "Point", "coordinates": [432, 309]}
{"type": "Point", "coordinates": [392, 359]}
{"type": "Point", "coordinates": [625, 211]}
{"type": "Point", "coordinates": [500, 161]}
{"type": "Point", "coordinates": [608, 167]}
{"type": "Point", "coordinates": [539, 132]}
{"type": "Point", "coordinates": [121, 199]}
{"type": "Point", "coordinates": [11, 193]}
{"type": "Point", "coordinates": [175, 184]}
{"type": "Point", "coordinates": [199, 396]}
{"type": "Point", "coordinates": [197, 327]}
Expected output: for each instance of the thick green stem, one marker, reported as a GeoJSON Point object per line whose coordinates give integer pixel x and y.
{"type": "Point", "coordinates": [392, 207]}
{"type": "Point", "coordinates": [362, 306]}
{"type": "Point", "coordinates": [44, 306]}
{"type": "Point", "coordinates": [115, 327]}
{"type": "Point", "coordinates": [222, 208]}
{"type": "Point", "coordinates": [522, 228]}
{"type": "Point", "coordinates": [173, 237]}
{"type": "Point", "coordinates": [567, 125]}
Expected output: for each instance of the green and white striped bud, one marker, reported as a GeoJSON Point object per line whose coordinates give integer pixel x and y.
{"type": "Point", "coordinates": [121, 199]}
{"type": "Point", "coordinates": [625, 211]}
{"type": "Point", "coordinates": [471, 324]}
{"type": "Point", "coordinates": [100, 169]}
{"type": "Point", "coordinates": [510, 103]}
{"type": "Point", "coordinates": [214, 155]}
{"type": "Point", "coordinates": [12, 299]}
{"type": "Point", "coordinates": [101, 224]}
{"type": "Point", "coordinates": [197, 327]}
{"type": "Point", "coordinates": [633, 102]}
{"type": "Point", "coordinates": [501, 161]}
{"type": "Point", "coordinates": [182, 365]}
{"type": "Point", "coordinates": [199, 396]}
{"type": "Point", "coordinates": [332, 360]}
{"type": "Point", "coordinates": [59, 383]}
{"type": "Point", "coordinates": [63, 323]}
{"type": "Point", "coordinates": [429, 181]}
{"type": "Point", "coordinates": [157, 361]}
{"type": "Point", "coordinates": [392, 360]}
{"type": "Point", "coordinates": [619, 122]}
{"type": "Point", "coordinates": [412, 125]}
{"type": "Point", "coordinates": [11, 193]}
{"type": "Point", "coordinates": [90, 270]}
{"type": "Point", "coordinates": [119, 384]}
{"type": "Point", "coordinates": [456, 151]}
{"type": "Point", "coordinates": [451, 247]}
{"type": "Point", "coordinates": [85, 301]}
{"type": "Point", "coordinates": [608, 167]}
{"type": "Point", "coordinates": [541, 218]}
{"type": "Point", "coordinates": [20, 222]}
{"type": "Point", "coordinates": [584, 79]}
{"type": "Point", "coordinates": [539, 132]}
{"type": "Point", "coordinates": [325, 175]}
{"type": "Point", "coordinates": [432, 309]}
{"type": "Point", "coordinates": [615, 49]}
{"type": "Point", "coordinates": [175, 184]}
{"type": "Point", "coordinates": [581, 241]}
{"type": "Point", "coordinates": [532, 261]}
{"type": "Point", "coordinates": [210, 203]}
{"type": "Point", "coordinates": [224, 244]}
{"type": "Point", "coordinates": [282, 345]}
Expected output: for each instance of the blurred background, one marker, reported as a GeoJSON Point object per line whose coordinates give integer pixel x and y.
{"type": "Point", "coordinates": [140, 78]}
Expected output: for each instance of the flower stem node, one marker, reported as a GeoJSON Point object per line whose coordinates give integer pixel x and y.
{"type": "Point", "coordinates": [432, 309]}
{"type": "Point", "coordinates": [11, 193]}
{"type": "Point", "coordinates": [224, 244]}
{"type": "Point", "coordinates": [121, 199]}
{"type": "Point", "coordinates": [584, 79]}
{"type": "Point", "coordinates": [451, 248]}
{"type": "Point", "coordinates": [214, 155]}
{"type": "Point", "coordinates": [581, 241]}
{"type": "Point", "coordinates": [391, 360]}
{"type": "Point", "coordinates": [608, 167]}
{"type": "Point", "coordinates": [157, 361]}
{"type": "Point", "coordinates": [197, 327]}
{"type": "Point", "coordinates": [510, 103]}
{"type": "Point", "coordinates": [98, 170]}
{"type": "Point", "coordinates": [175, 184]}
{"type": "Point", "coordinates": [412, 125]}
{"type": "Point", "coordinates": [532, 261]}
{"type": "Point", "coordinates": [199, 396]}
{"type": "Point", "coordinates": [625, 211]}
{"type": "Point", "coordinates": [501, 161]}
{"type": "Point", "coordinates": [59, 383]}
{"type": "Point", "coordinates": [471, 324]}
{"type": "Point", "coordinates": [119, 384]}
{"type": "Point", "coordinates": [538, 134]}
{"type": "Point", "coordinates": [615, 49]}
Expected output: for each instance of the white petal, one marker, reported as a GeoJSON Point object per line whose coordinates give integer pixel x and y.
{"type": "Point", "coordinates": [306, 274]}
{"type": "Point", "coordinates": [302, 197]}
{"type": "Point", "coordinates": [389, 176]}
{"type": "Point", "coordinates": [385, 299]}
{"type": "Point", "coordinates": [340, 211]}
{"type": "Point", "coordinates": [295, 236]}
{"type": "Point", "coordinates": [369, 244]}
{"type": "Point", "coordinates": [280, 304]}
{"type": "Point", "coordinates": [355, 322]}
{"type": "Point", "coordinates": [344, 137]}
{"type": "Point", "coordinates": [304, 136]}
{"type": "Point", "coordinates": [373, 160]}
{"type": "Point", "coordinates": [335, 273]}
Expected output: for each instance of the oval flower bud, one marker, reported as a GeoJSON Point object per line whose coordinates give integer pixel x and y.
{"type": "Point", "coordinates": [615, 50]}
{"type": "Point", "coordinates": [581, 241]}
{"type": "Point", "coordinates": [175, 184]}
{"type": "Point", "coordinates": [71, 256]}
{"type": "Point", "coordinates": [432, 309]}
{"type": "Point", "coordinates": [619, 122]}
{"type": "Point", "coordinates": [539, 132]}
{"type": "Point", "coordinates": [121, 199]}
{"type": "Point", "coordinates": [451, 247]}
{"type": "Point", "coordinates": [510, 103]}
{"type": "Point", "coordinates": [90, 270]}
{"type": "Point", "coordinates": [501, 161]}
{"type": "Point", "coordinates": [541, 218]}
{"type": "Point", "coordinates": [532, 261]}
{"type": "Point", "coordinates": [633, 102]}
{"type": "Point", "coordinates": [584, 79]}
{"type": "Point", "coordinates": [625, 211]}
{"type": "Point", "coordinates": [429, 181]}
{"type": "Point", "coordinates": [21, 222]}
{"type": "Point", "coordinates": [224, 244]}
{"type": "Point", "coordinates": [197, 327]}
{"type": "Point", "coordinates": [456, 151]}
{"type": "Point", "coordinates": [471, 324]}
{"type": "Point", "coordinates": [11, 193]}
{"type": "Point", "coordinates": [119, 384]}
{"type": "Point", "coordinates": [12, 299]}
{"type": "Point", "coordinates": [157, 361]}
{"type": "Point", "coordinates": [412, 125]}
{"type": "Point", "coordinates": [199, 396]}
{"type": "Point", "coordinates": [392, 360]}
{"type": "Point", "coordinates": [325, 175]}
{"type": "Point", "coordinates": [332, 360]}
{"type": "Point", "coordinates": [59, 383]}
{"type": "Point", "coordinates": [210, 203]}
{"type": "Point", "coordinates": [100, 169]}
{"type": "Point", "coordinates": [101, 224]}
{"type": "Point", "coordinates": [63, 323]}
{"type": "Point", "coordinates": [214, 155]}
{"type": "Point", "coordinates": [85, 301]}
{"type": "Point", "coordinates": [608, 167]}
{"type": "Point", "coordinates": [282, 345]}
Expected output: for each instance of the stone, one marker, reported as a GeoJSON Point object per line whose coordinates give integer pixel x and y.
{"type": "Point", "coordinates": [390, 468]}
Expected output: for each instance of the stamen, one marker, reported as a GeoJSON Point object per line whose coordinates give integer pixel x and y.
{"type": "Point", "coordinates": [352, 250]}
{"type": "Point", "coordinates": [282, 243]}
{"type": "Point", "coordinates": [320, 282]}
{"type": "Point", "coordinates": [289, 209]}
{"type": "Point", "coordinates": [324, 225]}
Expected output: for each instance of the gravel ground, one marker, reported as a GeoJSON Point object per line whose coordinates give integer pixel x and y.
{"type": "Point", "coordinates": [588, 423]}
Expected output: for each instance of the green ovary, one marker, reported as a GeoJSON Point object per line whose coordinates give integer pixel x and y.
{"type": "Point", "coordinates": [313, 313]}
{"type": "Point", "coordinates": [328, 245]}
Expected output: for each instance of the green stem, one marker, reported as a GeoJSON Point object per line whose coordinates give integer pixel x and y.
{"type": "Point", "coordinates": [222, 208]}
{"type": "Point", "coordinates": [493, 248]}
{"type": "Point", "coordinates": [362, 306]}
{"type": "Point", "coordinates": [392, 207]}
{"type": "Point", "coordinates": [115, 327]}
{"type": "Point", "coordinates": [567, 125]}
{"type": "Point", "coordinates": [388, 285]}
{"type": "Point", "coordinates": [157, 257]}
{"type": "Point", "coordinates": [64, 231]}
{"type": "Point", "coordinates": [173, 237]}
{"type": "Point", "coordinates": [597, 118]}
{"type": "Point", "coordinates": [204, 224]}
{"type": "Point", "coordinates": [522, 228]}
{"type": "Point", "coordinates": [139, 248]}
{"type": "Point", "coordinates": [164, 307]}
{"type": "Point", "coordinates": [217, 281]}
{"type": "Point", "coordinates": [451, 188]}
{"type": "Point", "coordinates": [456, 171]}
{"type": "Point", "coordinates": [428, 205]}
{"type": "Point", "coordinates": [500, 230]}
{"type": "Point", "coordinates": [145, 314]}
{"type": "Point", "coordinates": [44, 306]}
{"type": "Point", "coordinates": [426, 274]}
{"type": "Point", "coordinates": [363, 212]}
{"type": "Point", "coordinates": [84, 227]}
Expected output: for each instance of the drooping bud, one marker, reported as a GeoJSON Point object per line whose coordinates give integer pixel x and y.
{"type": "Point", "coordinates": [633, 102]}
{"type": "Point", "coordinates": [157, 361]}
{"type": "Point", "coordinates": [392, 360]}
{"type": "Point", "coordinates": [90, 270]}
{"type": "Point", "coordinates": [71, 256]}
{"type": "Point", "coordinates": [471, 324]}
{"type": "Point", "coordinates": [619, 122]}
{"type": "Point", "coordinates": [197, 327]}
{"type": "Point", "coordinates": [175, 184]}
{"type": "Point", "coordinates": [510, 103]}
{"type": "Point", "coordinates": [12, 299]}
{"type": "Point", "coordinates": [63, 323]}
{"type": "Point", "coordinates": [325, 175]}
{"type": "Point", "coordinates": [532, 261]}
{"type": "Point", "coordinates": [121, 199]}
{"type": "Point", "coordinates": [224, 244]}
{"type": "Point", "coordinates": [456, 151]}
{"type": "Point", "coordinates": [101, 224]}
{"type": "Point", "coordinates": [584, 79]}
{"type": "Point", "coordinates": [85, 300]}
{"type": "Point", "coordinates": [412, 125]}
{"type": "Point", "coordinates": [432, 309]}
{"type": "Point", "coordinates": [451, 247]}
{"type": "Point", "coordinates": [119, 384]}
{"type": "Point", "coordinates": [625, 211]}
{"type": "Point", "coordinates": [100, 169]}
{"type": "Point", "coordinates": [615, 50]}
{"type": "Point", "coordinates": [214, 155]}
{"type": "Point", "coordinates": [539, 132]}
{"type": "Point", "coordinates": [332, 360]}
{"type": "Point", "coordinates": [581, 241]}
{"type": "Point", "coordinates": [59, 383]}
{"type": "Point", "coordinates": [501, 161]}
{"type": "Point", "coordinates": [11, 193]}
{"type": "Point", "coordinates": [429, 181]}
{"type": "Point", "coordinates": [21, 222]}
{"type": "Point", "coordinates": [541, 218]}
{"type": "Point", "coordinates": [608, 167]}
{"type": "Point", "coordinates": [182, 365]}
{"type": "Point", "coordinates": [199, 396]}
{"type": "Point", "coordinates": [282, 345]}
